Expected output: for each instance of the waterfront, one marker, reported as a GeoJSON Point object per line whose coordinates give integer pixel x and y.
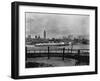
{"type": "Point", "coordinates": [38, 56]}
{"type": "Point", "coordinates": [56, 40]}
{"type": "Point", "coordinates": [78, 46]}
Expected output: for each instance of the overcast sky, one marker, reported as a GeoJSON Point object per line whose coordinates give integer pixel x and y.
{"type": "Point", "coordinates": [56, 25]}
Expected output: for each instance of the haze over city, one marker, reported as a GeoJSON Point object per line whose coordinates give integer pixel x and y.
{"type": "Point", "coordinates": [56, 25]}
{"type": "Point", "coordinates": [54, 40]}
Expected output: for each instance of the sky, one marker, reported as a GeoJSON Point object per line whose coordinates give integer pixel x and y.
{"type": "Point", "coordinates": [56, 25]}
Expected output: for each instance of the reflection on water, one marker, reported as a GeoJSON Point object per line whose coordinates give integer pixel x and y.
{"type": "Point", "coordinates": [81, 46]}
{"type": "Point", "coordinates": [78, 46]}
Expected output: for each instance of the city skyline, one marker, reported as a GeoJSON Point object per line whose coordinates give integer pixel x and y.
{"type": "Point", "coordinates": [56, 25]}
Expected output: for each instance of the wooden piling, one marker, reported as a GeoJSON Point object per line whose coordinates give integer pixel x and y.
{"type": "Point", "coordinates": [63, 53]}
{"type": "Point", "coordinates": [26, 53]}
{"type": "Point", "coordinates": [78, 57]}
{"type": "Point", "coordinates": [48, 52]}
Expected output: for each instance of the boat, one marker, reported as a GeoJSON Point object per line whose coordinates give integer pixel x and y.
{"type": "Point", "coordinates": [51, 44]}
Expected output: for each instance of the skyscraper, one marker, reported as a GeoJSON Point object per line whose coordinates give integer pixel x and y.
{"type": "Point", "coordinates": [44, 34]}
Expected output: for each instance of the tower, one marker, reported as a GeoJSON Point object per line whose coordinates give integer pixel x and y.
{"type": "Point", "coordinates": [44, 34]}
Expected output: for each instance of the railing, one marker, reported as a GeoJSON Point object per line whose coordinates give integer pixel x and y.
{"type": "Point", "coordinates": [57, 52]}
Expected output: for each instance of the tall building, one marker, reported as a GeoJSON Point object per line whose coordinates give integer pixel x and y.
{"type": "Point", "coordinates": [35, 36]}
{"type": "Point", "coordinates": [29, 36]}
{"type": "Point", "coordinates": [44, 34]}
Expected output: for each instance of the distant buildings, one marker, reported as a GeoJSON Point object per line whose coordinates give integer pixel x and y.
{"type": "Point", "coordinates": [37, 39]}
{"type": "Point", "coordinates": [38, 36]}
{"type": "Point", "coordinates": [44, 34]}
{"type": "Point", "coordinates": [44, 39]}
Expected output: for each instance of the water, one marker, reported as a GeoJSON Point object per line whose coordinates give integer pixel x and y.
{"type": "Point", "coordinates": [78, 46]}
{"type": "Point", "coordinates": [55, 61]}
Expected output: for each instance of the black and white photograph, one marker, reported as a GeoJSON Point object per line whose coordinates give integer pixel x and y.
{"type": "Point", "coordinates": [53, 40]}
{"type": "Point", "coordinates": [50, 40]}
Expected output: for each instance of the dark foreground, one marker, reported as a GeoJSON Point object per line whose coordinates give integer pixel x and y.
{"type": "Point", "coordinates": [55, 62]}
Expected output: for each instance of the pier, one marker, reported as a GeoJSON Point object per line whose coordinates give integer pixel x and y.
{"type": "Point", "coordinates": [81, 55]}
